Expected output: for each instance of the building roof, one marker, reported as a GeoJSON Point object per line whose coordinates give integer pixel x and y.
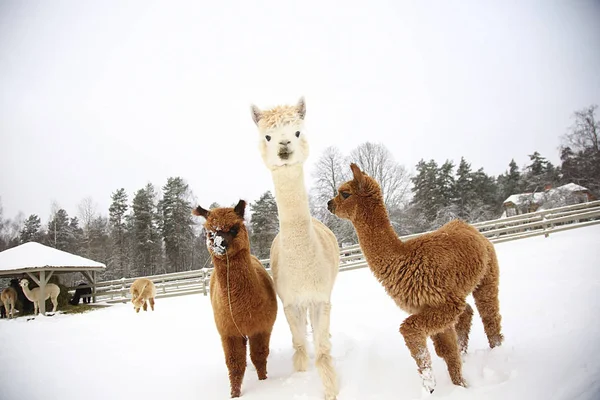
{"type": "Point", "coordinates": [33, 255]}
{"type": "Point", "coordinates": [538, 197]}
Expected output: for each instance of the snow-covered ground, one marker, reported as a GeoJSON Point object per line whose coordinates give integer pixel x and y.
{"type": "Point", "coordinates": [550, 290]}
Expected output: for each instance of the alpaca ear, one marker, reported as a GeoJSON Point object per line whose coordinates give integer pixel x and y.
{"type": "Point", "coordinates": [200, 212]}
{"type": "Point", "coordinates": [256, 113]}
{"type": "Point", "coordinates": [240, 208]}
{"type": "Point", "coordinates": [301, 107]}
{"type": "Point", "coordinates": [357, 174]}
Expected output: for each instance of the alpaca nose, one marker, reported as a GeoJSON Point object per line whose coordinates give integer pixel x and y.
{"type": "Point", "coordinates": [330, 206]}
{"type": "Point", "coordinates": [285, 142]}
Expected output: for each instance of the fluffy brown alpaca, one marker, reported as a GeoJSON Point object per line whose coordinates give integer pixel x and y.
{"type": "Point", "coordinates": [241, 293]}
{"type": "Point", "coordinates": [9, 299]}
{"type": "Point", "coordinates": [429, 277]}
{"type": "Point", "coordinates": [142, 290]}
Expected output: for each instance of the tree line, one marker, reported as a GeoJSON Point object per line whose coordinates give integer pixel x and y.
{"type": "Point", "coordinates": [153, 232]}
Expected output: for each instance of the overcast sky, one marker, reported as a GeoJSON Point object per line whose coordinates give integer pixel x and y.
{"type": "Point", "coordinates": [98, 95]}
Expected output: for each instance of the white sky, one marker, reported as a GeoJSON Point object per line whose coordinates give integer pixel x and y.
{"type": "Point", "coordinates": [98, 95]}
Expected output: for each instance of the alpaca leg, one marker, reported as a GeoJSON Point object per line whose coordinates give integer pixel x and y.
{"type": "Point", "coordinates": [446, 347]}
{"type": "Point", "coordinates": [35, 308]}
{"type": "Point", "coordinates": [151, 301]}
{"type": "Point", "coordinates": [145, 306]}
{"type": "Point", "coordinates": [234, 348]}
{"type": "Point", "coordinates": [54, 304]}
{"type": "Point", "coordinates": [463, 328]}
{"type": "Point", "coordinates": [12, 310]}
{"type": "Point", "coordinates": [416, 328]}
{"type": "Point", "coordinates": [259, 352]}
{"type": "Point", "coordinates": [488, 304]}
{"type": "Point", "coordinates": [319, 320]}
{"type": "Point", "coordinates": [296, 317]}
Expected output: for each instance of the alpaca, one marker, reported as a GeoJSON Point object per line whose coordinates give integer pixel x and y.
{"type": "Point", "coordinates": [9, 299]}
{"type": "Point", "coordinates": [305, 255]}
{"type": "Point", "coordinates": [52, 291]}
{"type": "Point", "coordinates": [142, 289]}
{"type": "Point", "coordinates": [24, 306]}
{"type": "Point", "coordinates": [80, 292]}
{"type": "Point", "coordinates": [242, 296]}
{"type": "Point", "coordinates": [429, 276]}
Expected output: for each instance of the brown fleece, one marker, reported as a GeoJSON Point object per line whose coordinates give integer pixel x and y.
{"type": "Point", "coordinates": [429, 276]}
{"type": "Point", "coordinates": [253, 299]}
{"type": "Point", "coordinates": [142, 290]}
{"type": "Point", "coordinates": [9, 299]}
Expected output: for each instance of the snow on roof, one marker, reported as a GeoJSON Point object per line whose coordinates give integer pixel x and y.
{"type": "Point", "coordinates": [35, 255]}
{"type": "Point", "coordinates": [539, 196]}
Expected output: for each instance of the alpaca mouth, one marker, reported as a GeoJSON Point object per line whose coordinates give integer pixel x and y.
{"type": "Point", "coordinates": [285, 154]}
{"type": "Point", "coordinates": [331, 206]}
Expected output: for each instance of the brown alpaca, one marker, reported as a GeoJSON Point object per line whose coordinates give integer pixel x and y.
{"type": "Point", "coordinates": [429, 277]}
{"type": "Point", "coordinates": [141, 290]}
{"type": "Point", "coordinates": [9, 299]}
{"type": "Point", "coordinates": [241, 293]}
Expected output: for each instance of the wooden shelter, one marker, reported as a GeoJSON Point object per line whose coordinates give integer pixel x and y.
{"type": "Point", "coordinates": [40, 262]}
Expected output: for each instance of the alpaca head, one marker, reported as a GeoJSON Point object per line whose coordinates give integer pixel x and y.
{"type": "Point", "coordinates": [24, 283]}
{"type": "Point", "coordinates": [355, 197]}
{"type": "Point", "coordinates": [226, 234]}
{"type": "Point", "coordinates": [138, 302]}
{"type": "Point", "coordinates": [281, 134]}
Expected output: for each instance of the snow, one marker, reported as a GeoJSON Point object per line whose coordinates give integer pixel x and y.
{"type": "Point", "coordinates": [539, 197]}
{"type": "Point", "coordinates": [549, 301]}
{"type": "Point", "coordinates": [36, 255]}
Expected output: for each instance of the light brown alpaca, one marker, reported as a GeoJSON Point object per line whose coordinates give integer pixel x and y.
{"type": "Point", "coordinates": [429, 277]}
{"type": "Point", "coordinates": [141, 290]}
{"type": "Point", "coordinates": [241, 293]}
{"type": "Point", "coordinates": [9, 299]}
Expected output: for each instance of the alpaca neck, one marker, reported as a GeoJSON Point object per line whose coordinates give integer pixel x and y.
{"type": "Point", "coordinates": [28, 293]}
{"type": "Point", "coordinates": [376, 236]}
{"type": "Point", "coordinates": [292, 202]}
{"type": "Point", "coordinates": [241, 276]}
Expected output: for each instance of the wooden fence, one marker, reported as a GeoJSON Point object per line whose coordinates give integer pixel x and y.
{"type": "Point", "coordinates": [500, 230]}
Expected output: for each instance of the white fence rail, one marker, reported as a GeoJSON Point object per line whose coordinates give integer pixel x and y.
{"type": "Point", "coordinates": [499, 230]}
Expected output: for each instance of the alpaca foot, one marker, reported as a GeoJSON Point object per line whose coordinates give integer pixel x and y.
{"type": "Point", "coordinates": [300, 360]}
{"type": "Point", "coordinates": [459, 382]}
{"type": "Point", "coordinates": [428, 379]}
{"type": "Point", "coordinates": [236, 393]}
{"type": "Point", "coordinates": [496, 341]}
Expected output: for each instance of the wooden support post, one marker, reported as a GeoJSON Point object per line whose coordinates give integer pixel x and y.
{"type": "Point", "coordinates": [42, 298]}
{"type": "Point", "coordinates": [94, 286]}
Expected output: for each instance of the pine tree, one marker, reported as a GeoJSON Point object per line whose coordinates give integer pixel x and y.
{"type": "Point", "coordinates": [145, 228]}
{"type": "Point", "coordinates": [177, 231]}
{"type": "Point", "coordinates": [59, 232]}
{"type": "Point", "coordinates": [264, 223]}
{"type": "Point", "coordinates": [31, 231]}
{"type": "Point", "coordinates": [118, 262]}
{"type": "Point", "coordinates": [426, 194]}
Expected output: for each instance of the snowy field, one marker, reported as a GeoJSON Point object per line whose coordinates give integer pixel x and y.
{"type": "Point", "coordinates": [550, 289]}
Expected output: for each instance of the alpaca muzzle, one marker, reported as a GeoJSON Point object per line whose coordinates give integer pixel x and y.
{"type": "Point", "coordinates": [331, 206]}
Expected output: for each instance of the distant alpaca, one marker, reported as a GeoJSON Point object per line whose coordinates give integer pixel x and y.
{"type": "Point", "coordinates": [51, 292]}
{"type": "Point", "coordinates": [241, 293]}
{"type": "Point", "coordinates": [429, 276]}
{"type": "Point", "coordinates": [81, 292]}
{"type": "Point", "coordinates": [305, 254]}
{"type": "Point", "coordinates": [9, 299]}
{"type": "Point", "coordinates": [23, 304]}
{"type": "Point", "coordinates": [142, 289]}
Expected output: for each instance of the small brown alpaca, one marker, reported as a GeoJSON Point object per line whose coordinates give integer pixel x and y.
{"type": "Point", "coordinates": [429, 277]}
{"type": "Point", "coordinates": [141, 290]}
{"type": "Point", "coordinates": [241, 293]}
{"type": "Point", "coordinates": [9, 299]}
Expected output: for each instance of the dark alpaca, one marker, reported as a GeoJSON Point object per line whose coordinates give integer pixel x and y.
{"type": "Point", "coordinates": [24, 305]}
{"type": "Point", "coordinates": [2, 311]}
{"type": "Point", "coordinates": [80, 292]}
{"type": "Point", "coordinates": [429, 276]}
{"type": "Point", "coordinates": [241, 293]}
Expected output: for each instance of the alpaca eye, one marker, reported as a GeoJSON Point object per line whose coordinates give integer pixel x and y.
{"type": "Point", "coordinates": [233, 231]}
{"type": "Point", "coordinates": [268, 138]}
{"type": "Point", "coordinates": [297, 133]}
{"type": "Point", "coordinates": [345, 195]}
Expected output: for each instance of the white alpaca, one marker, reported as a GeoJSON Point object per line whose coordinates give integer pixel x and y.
{"type": "Point", "coordinates": [52, 291]}
{"type": "Point", "coordinates": [305, 254]}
